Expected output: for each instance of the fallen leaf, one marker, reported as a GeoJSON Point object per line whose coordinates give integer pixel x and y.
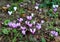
{"type": "Point", "coordinates": [57, 39]}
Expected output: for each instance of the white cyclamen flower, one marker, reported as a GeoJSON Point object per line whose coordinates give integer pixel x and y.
{"type": "Point", "coordinates": [55, 6]}
{"type": "Point", "coordinates": [36, 7]}
{"type": "Point", "coordinates": [32, 14]}
{"type": "Point", "coordinates": [9, 12]}
{"type": "Point", "coordinates": [15, 8]}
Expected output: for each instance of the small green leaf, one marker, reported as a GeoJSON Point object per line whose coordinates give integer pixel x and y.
{"type": "Point", "coordinates": [6, 22]}
{"type": "Point", "coordinates": [33, 1]}
{"type": "Point", "coordinates": [31, 21]}
{"type": "Point", "coordinates": [57, 29]}
{"type": "Point", "coordinates": [5, 31]}
{"type": "Point", "coordinates": [50, 11]}
{"type": "Point", "coordinates": [43, 39]}
{"type": "Point", "coordinates": [14, 30]}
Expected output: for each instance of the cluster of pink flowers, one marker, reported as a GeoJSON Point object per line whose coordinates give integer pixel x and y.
{"type": "Point", "coordinates": [28, 23]}
{"type": "Point", "coordinates": [13, 25]}
{"type": "Point", "coordinates": [54, 33]}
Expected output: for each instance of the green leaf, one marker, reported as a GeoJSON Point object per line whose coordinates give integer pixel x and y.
{"type": "Point", "coordinates": [31, 21]}
{"type": "Point", "coordinates": [33, 1]}
{"type": "Point", "coordinates": [51, 10]}
{"type": "Point", "coordinates": [13, 5]}
{"type": "Point", "coordinates": [21, 0]}
{"type": "Point", "coordinates": [41, 5]}
{"type": "Point", "coordinates": [57, 29]}
{"type": "Point", "coordinates": [5, 31]}
{"type": "Point", "coordinates": [21, 11]}
{"type": "Point", "coordinates": [56, 15]}
{"type": "Point", "coordinates": [43, 39]}
{"type": "Point", "coordinates": [6, 22]}
{"type": "Point", "coordinates": [20, 35]}
{"type": "Point", "coordinates": [14, 39]}
{"type": "Point", "coordinates": [14, 30]}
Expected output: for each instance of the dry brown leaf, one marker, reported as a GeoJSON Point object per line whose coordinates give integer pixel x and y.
{"type": "Point", "coordinates": [57, 39]}
{"type": "Point", "coordinates": [23, 15]}
{"type": "Point", "coordinates": [4, 9]}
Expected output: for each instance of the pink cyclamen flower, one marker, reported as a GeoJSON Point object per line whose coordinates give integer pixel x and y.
{"type": "Point", "coordinates": [54, 33]}
{"type": "Point", "coordinates": [38, 26]}
{"type": "Point", "coordinates": [42, 21]}
{"type": "Point", "coordinates": [32, 30]}
{"type": "Point", "coordinates": [30, 25]}
{"type": "Point", "coordinates": [23, 28]}
{"type": "Point", "coordinates": [20, 19]}
{"type": "Point", "coordinates": [37, 4]}
{"type": "Point", "coordinates": [8, 5]}
{"type": "Point", "coordinates": [10, 24]}
{"type": "Point", "coordinates": [18, 24]}
{"type": "Point", "coordinates": [40, 10]}
{"type": "Point", "coordinates": [14, 25]}
{"type": "Point", "coordinates": [27, 22]}
{"type": "Point", "coordinates": [23, 32]}
{"type": "Point", "coordinates": [29, 17]}
{"type": "Point", "coordinates": [54, 9]}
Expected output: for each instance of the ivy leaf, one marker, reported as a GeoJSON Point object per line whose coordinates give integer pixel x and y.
{"type": "Point", "coordinates": [6, 22]}
{"type": "Point", "coordinates": [43, 39]}
{"type": "Point", "coordinates": [57, 29]}
{"type": "Point", "coordinates": [5, 31]}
